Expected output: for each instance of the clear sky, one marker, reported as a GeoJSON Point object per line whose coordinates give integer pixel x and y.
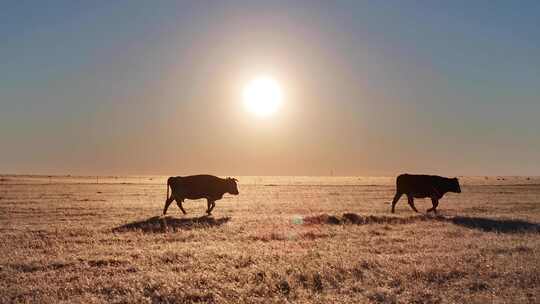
{"type": "Point", "coordinates": [369, 87]}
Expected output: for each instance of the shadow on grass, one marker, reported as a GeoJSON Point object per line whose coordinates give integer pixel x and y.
{"type": "Point", "coordinates": [495, 225]}
{"type": "Point", "coordinates": [158, 224]}
{"type": "Point", "coordinates": [479, 223]}
{"type": "Point", "coordinates": [356, 219]}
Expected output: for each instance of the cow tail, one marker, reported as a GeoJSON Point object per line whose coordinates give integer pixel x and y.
{"type": "Point", "coordinates": [168, 189]}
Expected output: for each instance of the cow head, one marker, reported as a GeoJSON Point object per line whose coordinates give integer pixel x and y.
{"type": "Point", "coordinates": [232, 187]}
{"type": "Point", "coordinates": [455, 185]}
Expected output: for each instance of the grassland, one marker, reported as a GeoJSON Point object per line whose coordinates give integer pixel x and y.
{"type": "Point", "coordinates": [101, 240]}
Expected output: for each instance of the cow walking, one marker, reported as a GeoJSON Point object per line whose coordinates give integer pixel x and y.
{"type": "Point", "coordinates": [421, 186]}
{"type": "Point", "coordinates": [210, 187]}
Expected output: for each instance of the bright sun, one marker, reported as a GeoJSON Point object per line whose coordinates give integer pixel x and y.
{"type": "Point", "coordinates": [262, 96]}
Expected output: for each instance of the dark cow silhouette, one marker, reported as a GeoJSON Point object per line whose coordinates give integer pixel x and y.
{"type": "Point", "coordinates": [209, 187]}
{"type": "Point", "coordinates": [421, 186]}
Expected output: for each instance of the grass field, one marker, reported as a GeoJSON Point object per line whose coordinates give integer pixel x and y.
{"type": "Point", "coordinates": [102, 240]}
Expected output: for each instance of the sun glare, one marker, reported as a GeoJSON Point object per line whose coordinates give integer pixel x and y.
{"type": "Point", "coordinates": [262, 96]}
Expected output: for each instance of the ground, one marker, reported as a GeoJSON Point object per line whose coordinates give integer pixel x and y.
{"type": "Point", "coordinates": [301, 240]}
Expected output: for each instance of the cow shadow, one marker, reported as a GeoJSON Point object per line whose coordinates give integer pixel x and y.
{"type": "Point", "coordinates": [160, 224]}
{"type": "Point", "coordinates": [478, 223]}
{"type": "Point", "coordinates": [495, 225]}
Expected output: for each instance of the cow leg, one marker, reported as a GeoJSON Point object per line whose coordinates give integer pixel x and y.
{"type": "Point", "coordinates": [435, 203]}
{"type": "Point", "coordinates": [211, 205]}
{"type": "Point", "coordinates": [179, 203]}
{"type": "Point", "coordinates": [395, 200]}
{"type": "Point", "coordinates": [410, 200]}
{"type": "Point", "coordinates": [167, 203]}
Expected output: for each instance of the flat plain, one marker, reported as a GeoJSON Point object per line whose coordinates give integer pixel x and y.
{"type": "Point", "coordinates": [283, 239]}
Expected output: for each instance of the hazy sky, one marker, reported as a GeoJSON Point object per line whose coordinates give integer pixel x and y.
{"type": "Point", "coordinates": [370, 87]}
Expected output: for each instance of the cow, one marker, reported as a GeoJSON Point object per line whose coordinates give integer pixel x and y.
{"type": "Point", "coordinates": [421, 186]}
{"type": "Point", "coordinates": [192, 187]}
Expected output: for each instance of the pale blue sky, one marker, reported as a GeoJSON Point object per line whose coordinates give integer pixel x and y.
{"type": "Point", "coordinates": [371, 87]}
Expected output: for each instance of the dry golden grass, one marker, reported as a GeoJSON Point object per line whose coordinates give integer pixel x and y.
{"type": "Point", "coordinates": [283, 240]}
